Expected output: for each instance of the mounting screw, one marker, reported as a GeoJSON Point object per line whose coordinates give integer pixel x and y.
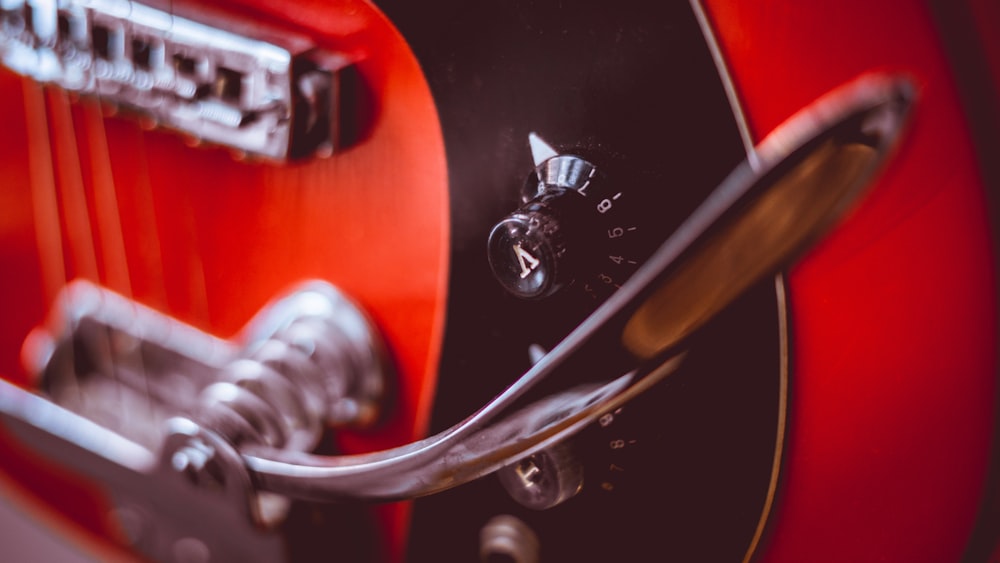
{"type": "Point", "coordinates": [196, 462]}
{"type": "Point", "coordinates": [506, 538]}
{"type": "Point", "coordinates": [191, 550]}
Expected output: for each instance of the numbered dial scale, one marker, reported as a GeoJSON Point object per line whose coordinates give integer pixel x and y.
{"type": "Point", "coordinates": [639, 99]}
{"type": "Point", "coordinates": [576, 228]}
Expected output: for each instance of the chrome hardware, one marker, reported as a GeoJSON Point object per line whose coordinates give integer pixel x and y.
{"type": "Point", "coordinates": [309, 360]}
{"type": "Point", "coordinates": [547, 478]}
{"type": "Point", "coordinates": [537, 250]}
{"type": "Point", "coordinates": [507, 538]}
{"type": "Point", "coordinates": [544, 479]}
{"type": "Point", "coordinates": [276, 98]}
{"type": "Point", "coordinates": [156, 409]}
{"type": "Point", "coordinates": [560, 172]}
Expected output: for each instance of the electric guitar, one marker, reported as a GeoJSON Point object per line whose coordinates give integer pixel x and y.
{"type": "Point", "coordinates": [528, 281]}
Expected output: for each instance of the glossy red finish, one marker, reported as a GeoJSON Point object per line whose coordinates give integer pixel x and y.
{"type": "Point", "coordinates": [210, 239]}
{"type": "Point", "coordinates": [894, 326]}
{"type": "Point", "coordinates": [893, 321]}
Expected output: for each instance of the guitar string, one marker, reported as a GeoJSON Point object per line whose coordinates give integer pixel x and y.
{"type": "Point", "coordinates": [46, 213]}
{"type": "Point", "coordinates": [44, 194]}
{"type": "Point", "coordinates": [142, 187]}
{"type": "Point", "coordinates": [64, 173]}
{"type": "Point", "coordinates": [109, 402]}
{"type": "Point", "coordinates": [65, 234]}
{"type": "Point", "coordinates": [116, 265]}
{"type": "Point", "coordinates": [197, 286]}
{"type": "Point", "coordinates": [149, 218]}
{"type": "Point", "coordinates": [76, 216]}
{"type": "Point", "coordinates": [123, 354]}
{"type": "Point", "coordinates": [120, 276]}
{"type": "Point", "coordinates": [69, 175]}
{"type": "Point", "coordinates": [183, 226]}
{"type": "Point", "coordinates": [157, 291]}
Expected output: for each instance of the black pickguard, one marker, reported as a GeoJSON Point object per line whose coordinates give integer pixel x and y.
{"type": "Point", "coordinates": [630, 84]}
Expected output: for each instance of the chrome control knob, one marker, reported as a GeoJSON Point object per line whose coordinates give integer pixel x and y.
{"type": "Point", "coordinates": [535, 250]}
{"type": "Point", "coordinates": [544, 479]}
{"type": "Point", "coordinates": [527, 251]}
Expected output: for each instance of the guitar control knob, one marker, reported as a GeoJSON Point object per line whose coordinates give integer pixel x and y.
{"type": "Point", "coordinates": [535, 251]}
{"type": "Point", "coordinates": [544, 479]}
{"type": "Point", "coordinates": [527, 250]}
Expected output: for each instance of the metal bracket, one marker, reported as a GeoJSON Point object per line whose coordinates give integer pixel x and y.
{"type": "Point", "coordinates": [118, 375]}
{"type": "Point", "coordinates": [308, 360]}
{"type": "Point", "coordinates": [194, 502]}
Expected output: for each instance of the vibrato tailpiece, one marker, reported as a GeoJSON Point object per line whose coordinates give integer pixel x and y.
{"type": "Point", "coordinates": [156, 409]}
{"type": "Point", "coordinates": [211, 439]}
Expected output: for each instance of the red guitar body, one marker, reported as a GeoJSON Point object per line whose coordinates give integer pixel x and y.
{"type": "Point", "coordinates": [886, 446]}
{"type": "Point", "coordinates": [893, 393]}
